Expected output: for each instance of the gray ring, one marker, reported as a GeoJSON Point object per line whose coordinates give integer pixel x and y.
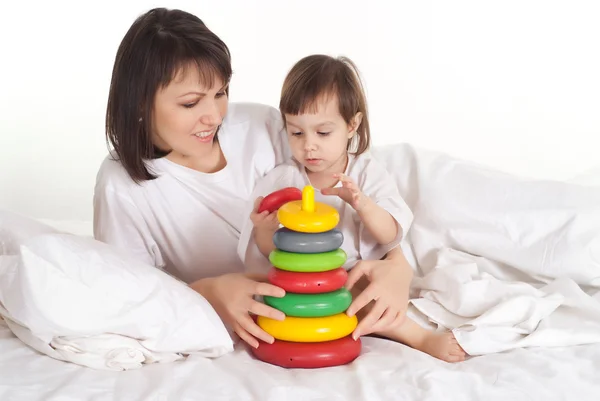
{"type": "Point", "coordinates": [296, 242]}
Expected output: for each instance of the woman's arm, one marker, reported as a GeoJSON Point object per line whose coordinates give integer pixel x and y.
{"type": "Point", "coordinates": [118, 222]}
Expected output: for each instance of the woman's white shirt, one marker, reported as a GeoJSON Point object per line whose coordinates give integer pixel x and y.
{"type": "Point", "coordinates": [187, 222]}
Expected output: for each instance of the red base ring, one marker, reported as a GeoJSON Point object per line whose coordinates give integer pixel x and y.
{"type": "Point", "coordinates": [309, 355]}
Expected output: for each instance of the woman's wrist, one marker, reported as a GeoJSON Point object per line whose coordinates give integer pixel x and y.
{"type": "Point", "coordinates": [397, 257]}
{"type": "Point", "coordinates": [202, 286]}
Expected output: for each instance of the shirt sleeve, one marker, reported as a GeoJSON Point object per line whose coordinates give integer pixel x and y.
{"type": "Point", "coordinates": [377, 183]}
{"type": "Point", "coordinates": [118, 222]}
{"type": "Point", "coordinates": [254, 261]}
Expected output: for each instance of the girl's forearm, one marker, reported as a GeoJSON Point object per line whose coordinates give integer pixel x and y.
{"type": "Point", "coordinates": [264, 241]}
{"type": "Point", "coordinates": [379, 222]}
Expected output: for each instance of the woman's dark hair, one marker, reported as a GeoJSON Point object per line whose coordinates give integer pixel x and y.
{"type": "Point", "coordinates": [320, 76]}
{"type": "Point", "coordinates": [160, 44]}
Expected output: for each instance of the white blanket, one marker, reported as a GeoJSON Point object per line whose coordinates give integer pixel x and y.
{"type": "Point", "coordinates": [490, 315]}
{"type": "Point", "coordinates": [385, 371]}
{"type": "Point", "coordinates": [507, 262]}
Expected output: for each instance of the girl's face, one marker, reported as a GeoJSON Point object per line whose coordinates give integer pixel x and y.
{"type": "Point", "coordinates": [319, 141]}
{"type": "Point", "coordinates": [187, 114]}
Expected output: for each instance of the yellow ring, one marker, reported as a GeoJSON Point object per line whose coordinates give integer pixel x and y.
{"type": "Point", "coordinates": [309, 329]}
{"type": "Point", "coordinates": [293, 217]}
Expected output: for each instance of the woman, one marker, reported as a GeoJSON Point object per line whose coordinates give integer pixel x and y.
{"type": "Point", "coordinates": [173, 189]}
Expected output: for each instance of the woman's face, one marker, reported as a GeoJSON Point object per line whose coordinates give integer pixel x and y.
{"type": "Point", "coordinates": [187, 114]}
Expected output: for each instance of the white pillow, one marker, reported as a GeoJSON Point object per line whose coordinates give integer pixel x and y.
{"type": "Point", "coordinates": [14, 229]}
{"type": "Point", "coordinates": [68, 287]}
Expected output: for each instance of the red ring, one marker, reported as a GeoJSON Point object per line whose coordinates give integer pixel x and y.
{"type": "Point", "coordinates": [308, 283]}
{"type": "Point", "coordinates": [309, 355]}
{"type": "Point", "coordinates": [275, 200]}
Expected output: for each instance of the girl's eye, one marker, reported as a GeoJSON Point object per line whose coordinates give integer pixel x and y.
{"type": "Point", "coordinates": [296, 133]}
{"type": "Point", "coordinates": [323, 133]}
{"type": "Point", "coordinates": [189, 105]}
{"type": "Point", "coordinates": [220, 94]}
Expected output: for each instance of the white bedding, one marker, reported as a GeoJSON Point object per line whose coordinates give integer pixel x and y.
{"type": "Point", "coordinates": [386, 371]}
{"type": "Point", "coordinates": [504, 239]}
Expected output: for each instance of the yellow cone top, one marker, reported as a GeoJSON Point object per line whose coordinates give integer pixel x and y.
{"type": "Point", "coordinates": [308, 199]}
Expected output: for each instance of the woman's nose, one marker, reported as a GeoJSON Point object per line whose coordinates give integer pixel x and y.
{"type": "Point", "coordinates": [211, 115]}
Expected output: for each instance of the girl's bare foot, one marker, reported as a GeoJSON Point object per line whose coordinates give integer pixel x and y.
{"type": "Point", "coordinates": [443, 346]}
{"type": "Point", "coordinates": [440, 345]}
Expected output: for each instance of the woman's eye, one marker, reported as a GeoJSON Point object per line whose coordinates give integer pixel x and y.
{"type": "Point", "coordinates": [296, 133]}
{"type": "Point", "coordinates": [220, 94]}
{"type": "Point", "coordinates": [190, 105]}
{"type": "Point", "coordinates": [323, 133]}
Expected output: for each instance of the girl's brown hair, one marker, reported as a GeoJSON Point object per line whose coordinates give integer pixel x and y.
{"type": "Point", "coordinates": [319, 76]}
{"type": "Point", "coordinates": [158, 45]}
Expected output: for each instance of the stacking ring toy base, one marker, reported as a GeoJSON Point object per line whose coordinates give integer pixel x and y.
{"type": "Point", "coordinates": [312, 305]}
{"type": "Point", "coordinates": [309, 329]}
{"type": "Point", "coordinates": [308, 262]}
{"type": "Point", "coordinates": [324, 217]}
{"type": "Point", "coordinates": [309, 355]}
{"type": "Point", "coordinates": [308, 283]}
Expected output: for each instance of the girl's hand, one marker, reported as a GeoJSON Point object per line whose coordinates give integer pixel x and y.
{"type": "Point", "coordinates": [388, 288]}
{"type": "Point", "coordinates": [231, 295]}
{"type": "Point", "coordinates": [349, 192]}
{"type": "Point", "coordinates": [265, 221]}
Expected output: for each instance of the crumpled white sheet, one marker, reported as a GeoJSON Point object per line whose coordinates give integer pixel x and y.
{"type": "Point", "coordinates": [385, 371]}
{"type": "Point", "coordinates": [505, 262]}
{"type": "Point", "coordinates": [488, 315]}
{"type": "Point", "coordinates": [80, 300]}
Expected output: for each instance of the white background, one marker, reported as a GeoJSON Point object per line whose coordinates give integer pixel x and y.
{"type": "Point", "coordinates": [511, 84]}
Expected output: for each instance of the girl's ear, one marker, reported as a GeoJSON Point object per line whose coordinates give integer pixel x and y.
{"type": "Point", "coordinates": [354, 124]}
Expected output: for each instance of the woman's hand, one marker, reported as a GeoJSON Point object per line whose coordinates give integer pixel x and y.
{"type": "Point", "coordinates": [231, 295]}
{"type": "Point", "coordinates": [388, 289]}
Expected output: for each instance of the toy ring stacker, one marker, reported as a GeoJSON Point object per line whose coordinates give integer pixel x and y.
{"type": "Point", "coordinates": [308, 216]}
{"type": "Point", "coordinates": [308, 263]}
{"type": "Point", "coordinates": [309, 330]}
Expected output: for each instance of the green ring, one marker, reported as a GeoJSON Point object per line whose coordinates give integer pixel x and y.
{"type": "Point", "coordinates": [308, 262]}
{"type": "Point", "coordinates": [312, 305]}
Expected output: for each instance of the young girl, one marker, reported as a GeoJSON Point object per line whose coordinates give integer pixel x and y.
{"type": "Point", "coordinates": [325, 114]}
